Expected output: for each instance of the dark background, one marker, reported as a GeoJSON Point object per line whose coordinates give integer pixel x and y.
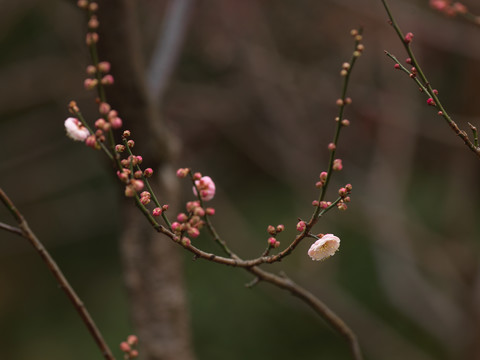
{"type": "Point", "coordinates": [252, 99]}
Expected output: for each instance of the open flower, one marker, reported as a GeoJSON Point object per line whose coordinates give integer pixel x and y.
{"type": "Point", "coordinates": [75, 129]}
{"type": "Point", "coordinates": [206, 186]}
{"type": "Point", "coordinates": [324, 247]}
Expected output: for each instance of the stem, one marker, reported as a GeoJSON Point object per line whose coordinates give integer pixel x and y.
{"type": "Point", "coordinates": [320, 308]}
{"type": "Point", "coordinates": [453, 125]}
{"type": "Point", "coordinates": [27, 233]}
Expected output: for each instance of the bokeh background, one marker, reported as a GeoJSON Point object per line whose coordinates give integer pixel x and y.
{"type": "Point", "coordinates": [252, 101]}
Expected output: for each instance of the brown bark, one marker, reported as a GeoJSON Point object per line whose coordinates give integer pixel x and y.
{"type": "Point", "coordinates": [153, 267]}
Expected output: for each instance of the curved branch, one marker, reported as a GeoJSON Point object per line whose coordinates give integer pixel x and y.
{"type": "Point", "coordinates": [28, 234]}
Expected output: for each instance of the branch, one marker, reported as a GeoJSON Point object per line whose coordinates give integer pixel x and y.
{"type": "Point", "coordinates": [28, 234]}
{"type": "Point", "coordinates": [433, 98]}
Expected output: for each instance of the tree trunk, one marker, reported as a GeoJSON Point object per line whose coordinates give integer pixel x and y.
{"type": "Point", "coordinates": [153, 267]}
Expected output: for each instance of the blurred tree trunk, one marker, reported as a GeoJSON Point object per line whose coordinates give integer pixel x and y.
{"type": "Point", "coordinates": [152, 264]}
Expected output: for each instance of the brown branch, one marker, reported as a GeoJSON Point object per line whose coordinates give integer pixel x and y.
{"type": "Point", "coordinates": [11, 229]}
{"type": "Point", "coordinates": [282, 282]}
{"type": "Point", "coordinates": [28, 234]}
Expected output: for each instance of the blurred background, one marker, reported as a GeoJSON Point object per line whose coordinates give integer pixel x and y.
{"type": "Point", "coordinates": [251, 101]}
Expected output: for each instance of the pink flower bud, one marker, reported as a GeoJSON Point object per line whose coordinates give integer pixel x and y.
{"type": "Point", "coordinates": [396, 66]}
{"type": "Point", "coordinates": [145, 200]}
{"type": "Point", "coordinates": [272, 241]}
{"type": "Point", "coordinates": [431, 102]}
{"type": "Point", "coordinates": [210, 211]}
{"type": "Point", "coordinates": [193, 232]}
{"type": "Point", "coordinates": [337, 165]}
{"type": "Point", "coordinates": [323, 175]}
{"type": "Point", "coordinates": [176, 226]}
{"type": "Point", "coordinates": [124, 346]}
{"type": "Point", "coordinates": [93, 6]}
{"type": "Point", "coordinates": [280, 228]}
{"type": "Point", "coordinates": [324, 204]}
{"type": "Point", "coordinates": [271, 230]}
{"type": "Point", "coordinates": [137, 184]}
{"type": "Point", "coordinates": [206, 186]}
{"type": "Point", "coordinates": [182, 217]}
{"type": "Point", "coordinates": [126, 133]}
{"type": "Point", "coordinates": [91, 38]}
{"type": "Point", "coordinates": [315, 203]}
{"type": "Point", "coordinates": [182, 173]}
{"type": "Point", "coordinates": [342, 206]}
{"type": "Point", "coordinates": [165, 207]}
{"type": "Point", "coordinates": [91, 141]}
{"type": "Point", "coordinates": [104, 66]}
{"type": "Point", "coordinates": [90, 84]}
{"type": "Point", "coordinates": [199, 211]}
{"type": "Point", "coordinates": [157, 212]}
{"type": "Point", "coordinates": [148, 172]}
{"type": "Point", "coordinates": [119, 148]}
{"type": "Point", "coordinates": [82, 4]}
{"type": "Point", "coordinates": [186, 241]}
{"type": "Point", "coordinates": [107, 80]}
{"type": "Point", "coordinates": [116, 122]}
{"type": "Point", "coordinates": [408, 38]}
{"type": "Point", "coordinates": [93, 22]}
{"type": "Point", "coordinates": [342, 192]}
{"type": "Point", "coordinates": [332, 146]}
{"type": "Point", "coordinates": [91, 70]}
{"type": "Point", "coordinates": [197, 176]}
{"type": "Point", "coordinates": [301, 226]}
{"type": "Point", "coordinates": [131, 143]}
{"type": "Point", "coordinates": [129, 191]}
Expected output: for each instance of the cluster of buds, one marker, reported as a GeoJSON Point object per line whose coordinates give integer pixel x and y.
{"type": "Point", "coordinates": [91, 7]}
{"type": "Point", "coordinates": [449, 8]}
{"type": "Point", "coordinates": [430, 100]}
{"type": "Point", "coordinates": [191, 222]}
{"type": "Point", "coordinates": [129, 347]}
{"type": "Point", "coordinates": [128, 175]}
{"type": "Point", "coordinates": [344, 193]}
{"type": "Point", "coordinates": [98, 74]}
{"type": "Point", "coordinates": [204, 184]}
{"type": "Point", "coordinates": [358, 38]}
{"type": "Point", "coordinates": [273, 231]}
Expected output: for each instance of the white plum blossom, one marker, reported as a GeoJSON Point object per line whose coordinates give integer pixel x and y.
{"type": "Point", "coordinates": [76, 130]}
{"type": "Point", "coordinates": [206, 186]}
{"type": "Point", "coordinates": [324, 247]}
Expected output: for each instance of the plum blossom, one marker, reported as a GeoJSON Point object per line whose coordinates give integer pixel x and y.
{"type": "Point", "coordinates": [75, 129]}
{"type": "Point", "coordinates": [206, 186]}
{"type": "Point", "coordinates": [324, 247]}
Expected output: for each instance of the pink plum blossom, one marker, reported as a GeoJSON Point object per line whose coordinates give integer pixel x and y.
{"type": "Point", "coordinates": [206, 186]}
{"type": "Point", "coordinates": [75, 129]}
{"type": "Point", "coordinates": [324, 247]}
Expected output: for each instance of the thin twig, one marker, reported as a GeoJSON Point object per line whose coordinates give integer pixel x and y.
{"type": "Point", "coordinates": [11, 229]}
{"type": "Point", "coordinates": [441, 110]}
{"type": "Point", "coordinates": [28, 234]}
